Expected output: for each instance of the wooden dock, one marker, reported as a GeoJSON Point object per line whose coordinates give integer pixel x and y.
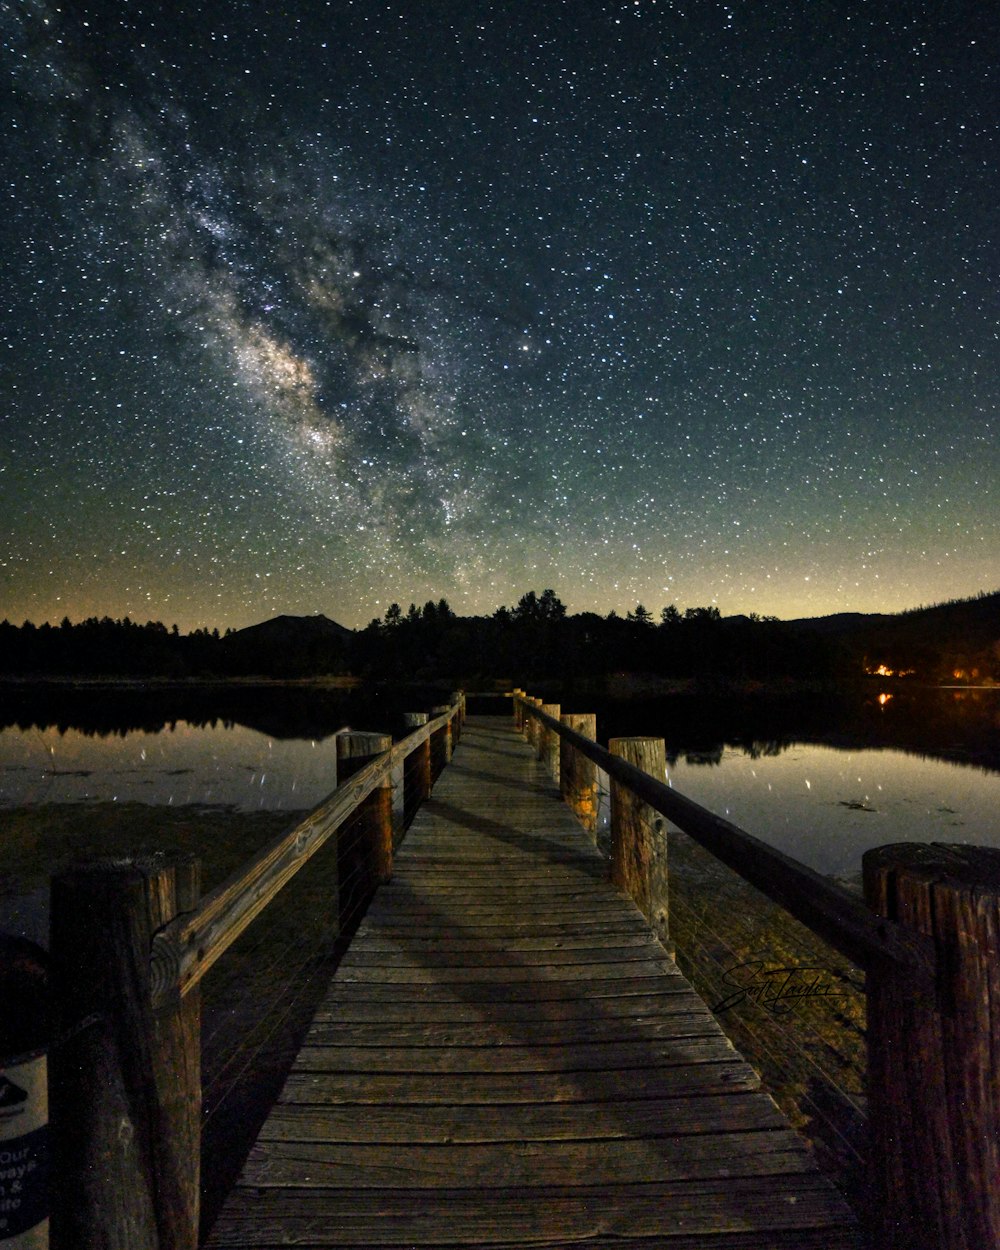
{"type": "Point", "coordinates": [507, 1057]}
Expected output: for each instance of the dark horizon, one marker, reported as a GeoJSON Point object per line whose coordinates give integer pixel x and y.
{"type": "Point", "coordinates": [222, 631]}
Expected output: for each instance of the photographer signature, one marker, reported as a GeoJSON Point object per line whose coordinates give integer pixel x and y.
{"type": "Point", "coordinates": [777, 989]}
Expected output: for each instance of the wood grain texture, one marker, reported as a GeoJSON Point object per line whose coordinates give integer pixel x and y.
{"type": "Point", "coordinates": [933, 1063]}
{"type": "Point", "coordinates": [124, 1092]}
{"type": "Point", "coordinates": [508, 1057]}
{"type": "Point", "coordinates": [639, 835]}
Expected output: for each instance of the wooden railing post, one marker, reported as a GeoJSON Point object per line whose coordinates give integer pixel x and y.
{"type": "Point", "coordinates": [125, 1081]}
{"type": "Point", "coordinates": [577, 774]}
{"type": "Point", "coordinates": [518, 709]}
{"type": "Point", "coordinates": [548, 748]}
{"type": "Point", "coordinates": [417, 775]}
{"type": "Point", "coordinates": [441, 745]}
{"type": "Point", "coordinates": [534, 726]}
{"type": "Point", "coordinates": [638, 834]}
{"type": "Point", "coordinates": [934, 1059]}
{"type": "Point", "coordinates": [371, 858]}
{"type": "Point", "coordinates": [458, 720]}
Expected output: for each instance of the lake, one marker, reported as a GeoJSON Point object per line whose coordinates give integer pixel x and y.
{"type": "Point", "coordinates": [226, 764]}
{"type": "Point", "coordinates": [827, 805]}
{"type": "Point", "coordinates": [821, 779]}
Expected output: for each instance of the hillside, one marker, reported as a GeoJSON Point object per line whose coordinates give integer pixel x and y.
{"type": "Point", "coordinates": [958, 641]}
{"type": "Point", "coordinates": [289, 631]}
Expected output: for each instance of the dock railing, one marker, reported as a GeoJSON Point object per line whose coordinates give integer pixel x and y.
{"type": "Point", "coordinates": [926, 934]}
{"type": "Point", "coordinates": [131, 939]}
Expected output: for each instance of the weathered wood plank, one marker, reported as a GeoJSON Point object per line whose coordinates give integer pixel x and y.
{"type": "Point", "coordinates": [393, 974]}
{"type": "Point", "coordinates": [430, 940]}
{"type": "Point", "coordinates": [564, 1032]}
{"type": "Point", "coordinates": [525, 1165]}
{"type": "Point", "coordinates": [502, 1089]}
{"type": "Point", "coordinates": [459, 1218]}
{"type": "Point", "coordinates": [631, 1117]}
{"type": "Point", "coordinates": [527, 990]}
{"type": "Point", "coordinates": [699, 1043]}
{"type": "Point", "coordinates": [489, 955]}
{"type": "Point", "coordinates": [786, 1239]}
{"type": "Point", "coordinates": [386, 1007]}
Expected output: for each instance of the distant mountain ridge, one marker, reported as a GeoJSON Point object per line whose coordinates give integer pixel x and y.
{"type": "Point", "coordinates": [288, 646]}
{"type": "Point", "coordinates": [293, 630]}
{"type": "Point", "coordinates": [979, 612]}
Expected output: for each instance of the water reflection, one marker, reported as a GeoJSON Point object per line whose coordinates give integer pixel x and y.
{"type": "Point", "coordinates": [221, 764]}
{"type": "Point", "coordinates": [822, 778]}
{"type": "Point", "coordinates": [955, 724]}
{"type": "Point", "coordinates": [827, 805]}
{"type": "Point", "coordinates": [825, 778]}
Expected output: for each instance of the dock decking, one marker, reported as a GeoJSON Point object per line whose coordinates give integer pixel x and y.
{"type": "Point", "coordinates": [507, 1058]}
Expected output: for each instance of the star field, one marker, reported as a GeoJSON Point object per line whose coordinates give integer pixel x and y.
{"type": "Point", "coordinates": [312, 307]}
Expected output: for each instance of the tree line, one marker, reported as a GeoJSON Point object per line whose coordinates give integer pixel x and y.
{"type": "Point", "coordinates": [536, 638]}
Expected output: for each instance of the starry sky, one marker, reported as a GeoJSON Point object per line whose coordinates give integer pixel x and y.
{"type": "Point", "coordinates": [312, 307]}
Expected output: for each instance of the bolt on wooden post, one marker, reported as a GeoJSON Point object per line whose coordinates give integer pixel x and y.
{"type": "Point", "coordinates": [638, 834]}
{"type": "Point", "coordinates": [367, 858]}
{"type": "Point", "coordinates": [125, 1083]}
{"type": "Point", "coordinates": [577, 774]}
{"type": "Point", "coordinates": [934, 1056]}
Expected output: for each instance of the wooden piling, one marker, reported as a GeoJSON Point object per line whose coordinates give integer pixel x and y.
{"type": "Point", "coordinates": [441, 743]}
{"type": "Point", "coordinates": [577, 774]}
{"type": "Point", "coordinates": [933, 1059]}
{"type": "Point", "coordinates": [417, 774]}
{"type": "Point", "coordinates": [638, 834]}
{"type": "Point", "coordinates": [533, 727]}
{"type": "Point", "coordinates": [548, 750]}
{"type": "Point", "coordinates": [372, 858]}
{"type": "Point", "coordinates": [125, 1082]}
{"type": "Point", "coordinates": [458, 720]}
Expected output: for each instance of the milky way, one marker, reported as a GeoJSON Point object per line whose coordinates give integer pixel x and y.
{"type": "Point", "coordinates": [314, 307]}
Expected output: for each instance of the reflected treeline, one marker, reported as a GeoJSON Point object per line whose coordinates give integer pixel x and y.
{"type": "Point", "coordinates": [962, 725]}
{"type": "Point", "coordinates": [952, 724]}
{"type": "Point", "coordinates": [277, 711]}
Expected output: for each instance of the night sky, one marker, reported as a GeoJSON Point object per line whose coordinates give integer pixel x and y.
{"type": "Point", "coordinates": [311, 307]}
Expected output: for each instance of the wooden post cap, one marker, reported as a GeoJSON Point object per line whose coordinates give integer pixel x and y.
{"type": "Point", "coordinates": [356, 748]}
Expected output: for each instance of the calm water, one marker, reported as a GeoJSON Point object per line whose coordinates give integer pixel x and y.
{"type": "Point", "coordinates": [763, 766]}
{"type": "Point", "coordinates": [228, 765]}
{"type": "Point", "coordinates": [827, 806]}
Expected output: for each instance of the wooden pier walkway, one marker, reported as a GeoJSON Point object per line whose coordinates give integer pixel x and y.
{"type": "Point", "coordinates": [507, 1058]}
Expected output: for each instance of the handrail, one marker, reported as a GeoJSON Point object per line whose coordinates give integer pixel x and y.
{"type": "Point", "coordinates": [129, 945]}
{"type": "Point", "coordinates": [926, 935]}
{"type": "Point", "coordinates": [826, 908]}
{"type": "Point", "coordinates": [185, 949]}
